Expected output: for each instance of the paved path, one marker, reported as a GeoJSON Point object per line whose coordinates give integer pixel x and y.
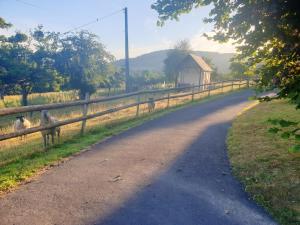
{"type": "Point", "coordinates": [169, 171]}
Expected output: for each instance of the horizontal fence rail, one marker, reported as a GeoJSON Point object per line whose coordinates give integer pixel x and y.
{"type": "Point", "coordinates": [207, 88]}
{"type": "Point", "coordinates": [24, 109]}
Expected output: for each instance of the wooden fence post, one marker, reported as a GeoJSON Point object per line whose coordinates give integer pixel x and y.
{"type": "Point", "coordinates": [248, 83]}
{"type": "Point", "coordinates": [168, 103]}
{"type": "Point", "coordinates": [232, 85]}
{"type": "Point", "coordinates": [208, 93]}
{"type": "Point", "coordinates": [138, 105]}
{"type": "Point", "coordinates": [84, 113]}
{"type": "Point", "coordinates": [240, 84]}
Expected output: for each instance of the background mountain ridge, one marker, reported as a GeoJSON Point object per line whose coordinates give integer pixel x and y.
{"type": "Point", "coordinates": [154, 61]}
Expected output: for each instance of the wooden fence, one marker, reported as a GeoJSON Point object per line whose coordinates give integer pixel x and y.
{"type": "Point", "coordinates": [177, 93]}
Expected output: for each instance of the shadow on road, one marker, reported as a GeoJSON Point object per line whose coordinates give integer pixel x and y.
{"type": "Point", "coordinates": [197, 188]}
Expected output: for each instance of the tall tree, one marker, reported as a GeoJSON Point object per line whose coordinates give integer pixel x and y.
{"type": "Point", "coordinates": [215, 75]}
{"type": "Point", "coordinates": [84, 60]}
{"type": "Point", "coordinates": [25, 70]}
{"type": "Point", "coordinates": [268, 33]}
{"type": "Point", "coordinates": [4, 24]}
{"type": "Point", "coordinates": [174, 58]}
{"type": "Point", "coordinates": [239, 69]}
{"type": "Point", "coordinates": [3, 71]}
{"type": "Point", "coordinates": [146, 79]}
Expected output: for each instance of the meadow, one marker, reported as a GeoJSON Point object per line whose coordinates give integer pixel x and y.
{"type": "Point", "coordinates": [262, 161]}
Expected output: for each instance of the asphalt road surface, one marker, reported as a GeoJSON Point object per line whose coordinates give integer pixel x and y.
{"type": "Point", "coordinates": [173, 170]}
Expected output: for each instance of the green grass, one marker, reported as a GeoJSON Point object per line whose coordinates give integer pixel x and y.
{"type": "Point", "coordinates": [261, 160]}
{"type": "Point", "coordinates": [17, 167]}
{"type": "Point", "coordinates": [23, 168]}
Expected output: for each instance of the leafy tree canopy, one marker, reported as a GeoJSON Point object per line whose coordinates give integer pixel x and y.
{"type": "Point", "coordinates": [84, 60]}
{"type": "Point", "coordinates": [146, 79]}
{"type": "Point", "coordinates": [24, 70]}
{"type": "Point", "coordinates": [4, 24]}
{"type": "Point", "coordinates": [174, 58]}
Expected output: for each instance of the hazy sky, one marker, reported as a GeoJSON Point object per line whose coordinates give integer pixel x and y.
{"type": "Point", "coordinates": [144, 35]}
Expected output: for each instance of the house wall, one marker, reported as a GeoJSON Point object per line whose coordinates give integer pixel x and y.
{"type": "Point", "coordinates": [191, 74]}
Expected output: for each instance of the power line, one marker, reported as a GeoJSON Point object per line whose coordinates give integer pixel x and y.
{"type": "Point", "coordinates": [30, 4]}
{"type": "Point", "coordinates": [94, 21]}
{"type": "Point", "coordinates": [81, 26]}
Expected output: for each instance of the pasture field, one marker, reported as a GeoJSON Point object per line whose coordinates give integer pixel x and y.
{"type": "Point", "coordinates": [261, 160]}
{"type": "Point", "coordinates": [52, 97]}
{"type": "Point", "coordinates": [21, 159]}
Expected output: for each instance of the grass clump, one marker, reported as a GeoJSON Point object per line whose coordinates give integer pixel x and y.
{"type": "Point", "coordinates": [261, 160]}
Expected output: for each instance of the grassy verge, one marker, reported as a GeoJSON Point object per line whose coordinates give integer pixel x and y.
{"type": "Point", "coordinates": [30, 158]}
{"type": "Point", "coordinates": [262, 162]}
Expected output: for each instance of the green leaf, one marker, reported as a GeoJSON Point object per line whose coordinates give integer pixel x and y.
{"type": "Point", "coordinates": [294, 149]}
{"type": "Point", "coordinates": [297, 137]}
{"type": "Point", "coordinates": [274, 130]}
{"type": "Point", "coordinates": [286, 135]}
{"type": "Point", "coordinates": [282, 123]}
{"type": "Point", "coordinates": [286, 123]}
{"type": "Point", "coordinates": [273, 121]}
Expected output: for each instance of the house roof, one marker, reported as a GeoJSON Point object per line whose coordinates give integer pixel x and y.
{"type": "Point", "coordinates": [200, 62]}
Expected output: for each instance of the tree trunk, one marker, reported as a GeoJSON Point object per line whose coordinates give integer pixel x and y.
{"type": "Point", "coordinates": [82, 95]}
{"type": "Point", "coordinates": [24, 98]}
{"type": "Point", "coordinates": [2, 93]}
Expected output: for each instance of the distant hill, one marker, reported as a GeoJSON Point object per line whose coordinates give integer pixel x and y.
{"type": "Point", "coordinates": [154, 61]}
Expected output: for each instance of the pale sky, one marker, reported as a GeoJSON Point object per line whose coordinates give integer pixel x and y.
{"type": "Point", "coordinates": [144, 35]}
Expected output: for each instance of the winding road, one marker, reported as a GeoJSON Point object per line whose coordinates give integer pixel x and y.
{"type": "Point", "coordinates": [173, 170]}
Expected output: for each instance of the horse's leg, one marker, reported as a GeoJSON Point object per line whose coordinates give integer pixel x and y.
{"type": "Point", "coordinates": [48, 140]}
{"type": "Point", "coordinates": [58, 136]}
{"type": "Point", "coordinates": [52, 137]}
{"type": "Point", "coordinates": [45, 140]}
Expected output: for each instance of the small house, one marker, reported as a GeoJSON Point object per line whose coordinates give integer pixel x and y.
{"type": "Point", "coordinates": [193, 71]}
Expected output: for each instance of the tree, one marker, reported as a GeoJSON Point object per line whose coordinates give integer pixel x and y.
{"type": "Point", "coordinates": [113, 79]}
{"type": "Point", "coordinates": [3, 71]}
{"type": "Point", "coordinates": [84, 60]}
{"type": "Point", "coordinates": [4, 24]}
{"type": "Point", "coordinates": [215, 76]}
{"type": "Point", "coordinates": [268, 33]}
{"type": "Point", "coordinates": [174, 58]}
{"type": "Point", "coordinates": [18, 66]}
{"type": "Point", "coordinates": [46, 47]}
{"type": "Point", "coordinates": [238, 69]}
{"type": "Point", "coordinates": [146, 78]}
{"type": "Point", "coordinates": [23, 70]}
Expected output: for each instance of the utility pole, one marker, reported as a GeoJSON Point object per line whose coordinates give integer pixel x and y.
{"type": "Point", "coordinates": [127, 81]}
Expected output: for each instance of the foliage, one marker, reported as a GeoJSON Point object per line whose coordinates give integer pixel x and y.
{"type": "Point", "coordinates": [4, 24]}
{"type": "Point", "coordinates": [113, 80]}
{"type": "Point", "coordinates": [238, 69]}
{"type": "Point", "coordinates": [84, 60]}
{"type": "Point", "coordinates": [46, 61]}
{"type": "Point", "coordinates": [267, 32]}
{"type": "Point", "coordinates": [287, 130]}
{"type": "Point", "coordinates": [23, 73]}
{"type": "Point", "coordinates": [174, 58]}
{"type": "Point", "coordinates": [215, 75]}
{"type": "Point", "coordinates": [146, 78]}
{"type": "Point", "coordinates": [268, 171]}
